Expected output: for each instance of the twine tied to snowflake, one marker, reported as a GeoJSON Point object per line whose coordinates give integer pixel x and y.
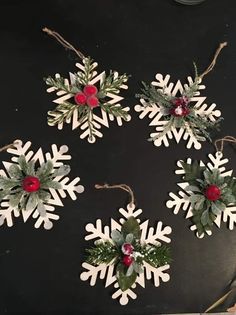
{"type": "Point", "coordinates": [179, 115]}
{"type": "Point", "coordinates": [124, 249]}
{"type": "Point", "coordinates": [89, 99]}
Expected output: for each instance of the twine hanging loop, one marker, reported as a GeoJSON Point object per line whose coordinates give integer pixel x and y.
{"type": "Point", "coordinates": [212, 64]}
{"type": "Point", "coordinates": [219, 143]}
{"type": "Point", "coordinates": [118, 186]}
{"type": "Point", "coordinates": [63, 42]}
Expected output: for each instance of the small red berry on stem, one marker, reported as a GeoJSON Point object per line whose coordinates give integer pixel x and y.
{"type": "Point", "coordinates": [127, 260]}
{"type": "Point", "coordinates": [90, 90]}
{"type": "Point", "coordinates": [31, 183]}
{"type": "Point", "coordinates": [80, 98]}
{"type": "Point", "coordinates": [212, 192]}
{"type": "Point", "coordinates": [92, 101]}
{"type": "Point", "coordinates": [127, 248]}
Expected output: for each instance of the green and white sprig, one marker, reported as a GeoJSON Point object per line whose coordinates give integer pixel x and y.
{"type": "Point", "coordinates": [86, 97]}
{"type": "Point", "coordinates": [27, 188]}
{"type": "Point", "coordinates": [179, 111]}
{"type": "Point", "coordinates": [127, 254]}
{"type": "Point", "coordinates": [211, 193]}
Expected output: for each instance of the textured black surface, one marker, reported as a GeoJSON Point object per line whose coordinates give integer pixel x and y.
{"type": "Point", "coordinates": [39, 270]}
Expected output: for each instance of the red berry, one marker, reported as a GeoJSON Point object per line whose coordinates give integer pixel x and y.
{"type": "Point", "coordinates": [127, 260]}
{"type": "Point", "coordinates": [31, 183]}
{"type": "Point", "coordinates": [92, 101]}
{"type": "Point", "coordinates": [80, 98]}
{"type": "Point", "coordinates": [212, 192]}
{"type": "Point", "coordinates": [127, 248]}
{"type": "Point", "coordinates": [186, 111]}
{"type": "Point", "coordinates": [90, 90]}
{"type": "Point", "coordinates": [177, 101]}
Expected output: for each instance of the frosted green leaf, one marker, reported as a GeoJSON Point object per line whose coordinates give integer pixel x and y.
{"type": "Point", "coordinates": [195, 198]}
{"type": "Point", "coordinates": [192, 188]}
{"type": "Point", "coordinates": [41, 209]}
{"type": "Point", "coordinates": [61, 171]}
{"type": "Point", "coordinates": [130, 270]}
{"type": "Point", "coordinates": [199, 204]}
{"type": "Point", "coordinates": [137, 268]}
{"type": "Point", "coordinates": [3, 194]}
{"type": "Point", "coordinates": [23, 164]}
{"type": "Point", "coordinates": [44, 195]}
{"type": "Point", "coordinates": [129, 238]}
{"type": "Point", "coordinates": [217, 207]}
{"type": "Point", "coordinates": [31, 168]}
{"type": "Point", "coordinates": [32, 202]}
{"type": "Point", "coordinates": [14, 200]}
{"type": "Point", "coordinates": [205, 218]}
{"type": "Point", "coordinates": [117, 237]}
{"type": "Point", "coordinates": [51, 184]}
{"type": "Point", "coordinates": [8, 183]}
{"type": "Point", "coordinates": [15, 172]}
{"type": "Point", "coordinates": [45, 169]}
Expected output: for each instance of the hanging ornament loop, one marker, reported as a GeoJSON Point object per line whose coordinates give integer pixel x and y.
{"type": "Point", "coordinates": [219, 143]}
{"type": "Point", "coordinates": [212, 64]}
{"type": "Point", "coordinates": [8, 146]}
{"type": "Point", "coordinates": [119, 186]}
{"type": "Point", "coordinates": [63, 42]}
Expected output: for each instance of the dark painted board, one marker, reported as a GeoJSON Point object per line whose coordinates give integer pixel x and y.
{"type": "Point", "coordinates": [40, 269]}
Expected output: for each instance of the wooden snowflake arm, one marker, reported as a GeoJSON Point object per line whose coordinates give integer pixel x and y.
{"type": "Point", "coordinates": [96, 231]}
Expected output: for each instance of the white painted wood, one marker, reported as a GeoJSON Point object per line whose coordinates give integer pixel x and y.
{"type": "Point", "coordinates": [180, 200]}
{"type": "Point", "coordinates": [71, 188]}
{"type": "Point", "coordinates": [157, 119]}
{"type": "Point", "coordinates": [149, 235]}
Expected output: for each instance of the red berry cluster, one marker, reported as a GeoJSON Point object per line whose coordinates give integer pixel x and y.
{"type": "Point", "coordinates": [88, 96]}
{"type": "Point", "coordinates": [212, 193]}
{"type": "Point", "coordinates": [180, 107]}
{"type": "Point", "coordinates": [127, 249]}
{"type": "Point", "coordinates": [31, 183]}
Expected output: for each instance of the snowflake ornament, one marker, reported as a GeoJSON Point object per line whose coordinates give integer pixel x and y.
{"type": "Point", "coordinates": [151, 237]}
{"type": "Point", "coordinates": [88, 100]}
{"type": "Point", "coordinates": [207, 199]}
{"type": "Point", "coordinates": [28, 192]}
{"type": "Point", "coordinates": [177, 111]}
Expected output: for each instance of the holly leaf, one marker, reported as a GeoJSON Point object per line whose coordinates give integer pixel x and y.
{"type": "Point", "coordinates": [192, 172]}
{"type": "Point", "coordinates": [125, 282]}
{"type": "Point", "coordinates": [217, 207]}
{"type": "Point", "coordinates": [131, 226]}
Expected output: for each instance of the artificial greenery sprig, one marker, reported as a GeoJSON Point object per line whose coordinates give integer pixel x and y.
{"type": "Point", "coordinates": [127, 253]}
{"type": "Point", "coordinates": [27, 188]}
{"type": "Point", "coordinates": [179, 112]}
{"type": "Point", "coordinates": [211, 193]}
{"type": "Point", "coordinates": [85, 97]}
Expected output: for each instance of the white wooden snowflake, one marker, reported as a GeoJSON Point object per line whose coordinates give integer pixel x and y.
{"type": "Point", "coordinates": [149, 235]}
{"type": "Point", "coordinates": [157, 116]}
{"type": "Point", "coordinates": [101, 118]}
{"type": "Point", "coordinates": [181, 201]}
{"type": "Point", "coordinates": [57, 156]}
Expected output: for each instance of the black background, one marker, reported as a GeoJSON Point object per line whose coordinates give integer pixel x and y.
{"type": "Point", "coordinates": [40, 269]}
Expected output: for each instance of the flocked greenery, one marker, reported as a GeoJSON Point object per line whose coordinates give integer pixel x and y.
{"type": "Point", "coordinates": [110, 253]}
{"type": "Point", "coordinates": [11, 187]}
{"type": "Point", "coordinates": [206, 211]}
{"type": "Point", "coordinates": [198, 125]}
{"type": "Point", "coordinates": [111, 83]}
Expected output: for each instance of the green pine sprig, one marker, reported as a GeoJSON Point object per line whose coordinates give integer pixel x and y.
{"type": "Point", "coordinates": [102, 253]}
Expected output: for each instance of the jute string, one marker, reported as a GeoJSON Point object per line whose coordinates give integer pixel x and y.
{"type": "Point", "coordinates": [8, 146]}
{"type": "Point", "coordinates": [219, 143]}
{"type": "Point", "coordinates": [212, 64]}
{"type": "Point", "coordinates": [118, 186]}
{"type": "Point", "coordinates": [63, 42]}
